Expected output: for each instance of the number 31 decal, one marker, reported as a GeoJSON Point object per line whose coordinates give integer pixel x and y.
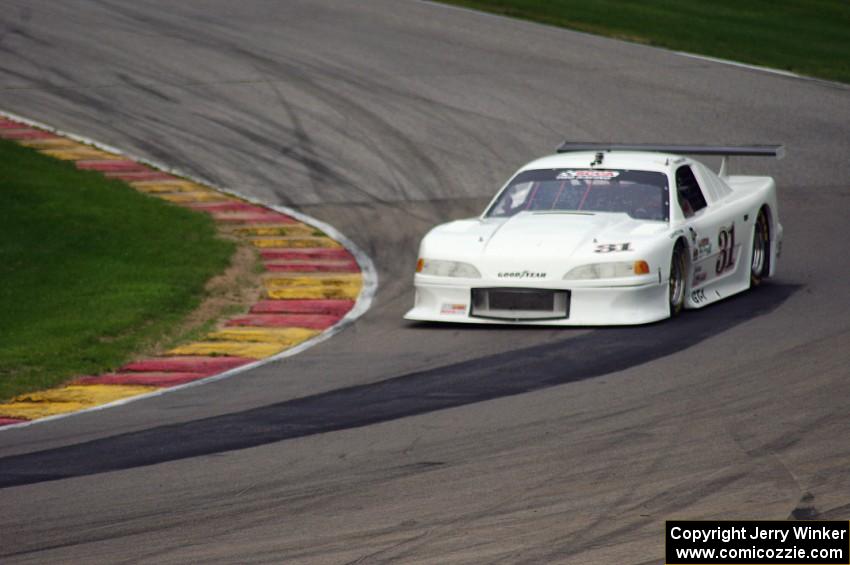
{"type": "Point", "coordinates": [726, 243]}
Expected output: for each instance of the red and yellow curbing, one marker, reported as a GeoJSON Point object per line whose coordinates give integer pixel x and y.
{"type": "Point", "coordinates": [312, 282]}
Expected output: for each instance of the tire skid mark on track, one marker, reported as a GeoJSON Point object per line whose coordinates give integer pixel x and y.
{"type": "Point", "coordinates": [596, 353]}
{"type": "Point", "coordinates": [296, 290]}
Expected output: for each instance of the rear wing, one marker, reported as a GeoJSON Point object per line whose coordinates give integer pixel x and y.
{"type": "Point", "coordinates": [725, 151]}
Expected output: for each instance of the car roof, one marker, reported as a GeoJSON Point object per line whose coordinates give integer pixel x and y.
{"type": "Point", "coordinates": [632, 160]}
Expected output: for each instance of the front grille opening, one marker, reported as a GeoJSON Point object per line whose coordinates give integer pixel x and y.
{"type": "Point", "coordinates": [520, 303]}
{"type": "Point", "coordinates": [511, 300]}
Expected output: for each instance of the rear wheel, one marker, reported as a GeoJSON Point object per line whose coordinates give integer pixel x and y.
{"type": "Point", "coordinates": [760, 260]}
{"type": "Point", "coordinates": [678, 268]}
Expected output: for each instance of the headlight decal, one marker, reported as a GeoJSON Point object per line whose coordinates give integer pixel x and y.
{"type": "Point", "coordinates": [439, 268]}
{"type": "Point", "coordinates": [610, 270]}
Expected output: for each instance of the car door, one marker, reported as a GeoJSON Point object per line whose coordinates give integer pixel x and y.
{"type": "Point", "coordinates": [713, 238]}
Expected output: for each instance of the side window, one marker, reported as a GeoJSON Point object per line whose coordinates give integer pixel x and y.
{"type": "Point", "coordinates": [690, 196]}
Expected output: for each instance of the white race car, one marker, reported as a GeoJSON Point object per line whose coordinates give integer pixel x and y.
{"type": "Point", "coordinates": [604, 234]}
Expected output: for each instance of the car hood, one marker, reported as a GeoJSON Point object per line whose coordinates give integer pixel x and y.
{"type": "Point", "coordinates": [532, 240]}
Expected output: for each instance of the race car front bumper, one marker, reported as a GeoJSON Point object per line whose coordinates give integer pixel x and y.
{"type": "Point", "coordinates": [441, 299]}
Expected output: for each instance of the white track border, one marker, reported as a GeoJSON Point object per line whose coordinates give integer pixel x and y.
{"type": "Point", "coordinates": [364, 300]}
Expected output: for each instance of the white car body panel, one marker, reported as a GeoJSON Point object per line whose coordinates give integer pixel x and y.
{"type": "Point", "coordinates": [535, 249]}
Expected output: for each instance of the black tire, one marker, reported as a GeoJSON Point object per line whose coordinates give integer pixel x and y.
{"type": "Point", "coordinates": [760, 257]}
{"type": "Point", "coordinates": [678, 274]}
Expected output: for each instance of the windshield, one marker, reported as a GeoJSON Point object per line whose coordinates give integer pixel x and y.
{"type": "Point", "coordinates": [643, 195]}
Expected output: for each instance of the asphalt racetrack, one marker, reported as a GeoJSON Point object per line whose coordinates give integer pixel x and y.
{"type": "Point", "coordinates": [402, 442]}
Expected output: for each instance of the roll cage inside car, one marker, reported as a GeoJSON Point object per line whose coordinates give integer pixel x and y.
{"type": "Point", "coordinates": [640, 194]}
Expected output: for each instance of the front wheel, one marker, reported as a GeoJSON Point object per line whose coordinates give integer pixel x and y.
{"type": "Point", "coordinates": [759, 262]}
{"type": "Point", "coordinates": [678, 268]}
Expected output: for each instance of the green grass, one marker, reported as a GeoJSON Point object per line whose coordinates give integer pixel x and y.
{"type": "Point", "coordinates": [810, 37]}
{"type": "Point", "coordinates": [91, 271]}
